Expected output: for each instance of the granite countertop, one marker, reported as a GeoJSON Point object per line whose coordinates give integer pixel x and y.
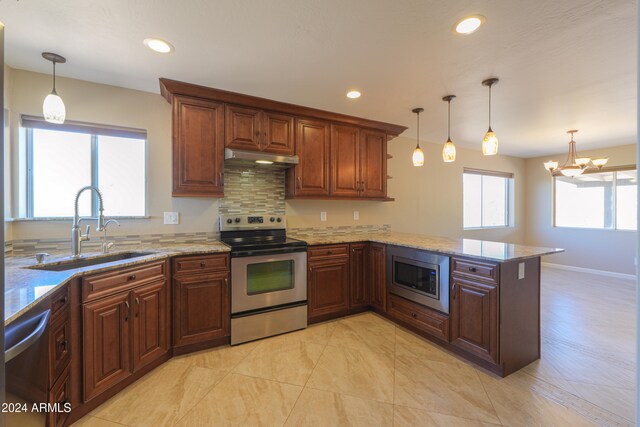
{"type": "Point", "coordinates": [25, 287]}
{"type": "Point", "coordinates": [470, 248]}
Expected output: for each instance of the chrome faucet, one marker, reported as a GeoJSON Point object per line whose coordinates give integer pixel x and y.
{"type": "Point", "coordinates": [108, 245]}
{"type": "Point", "coordinates": [76, 235]}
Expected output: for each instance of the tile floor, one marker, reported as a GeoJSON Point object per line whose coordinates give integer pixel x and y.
{"type": "Point", "coordinates": [365, 371]}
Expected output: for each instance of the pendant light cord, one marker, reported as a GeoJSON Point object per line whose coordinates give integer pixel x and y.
{"type": "Point", "coordinates": [54, 77]}
{"type": "Point", "coordinates": [449, 123]}
{"type": "Point", "coordinates": [418, 134]}
{"type": "Point", "coordinates": [490, 106]}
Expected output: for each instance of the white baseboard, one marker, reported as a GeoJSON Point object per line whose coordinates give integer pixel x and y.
{"type": "Point", "coordinates": [589, 270]}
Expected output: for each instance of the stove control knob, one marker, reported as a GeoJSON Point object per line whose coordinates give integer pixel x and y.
{"type": "Point", "coordinates": [272, 219]}
{"type": "Point", "coordinates": [229, 220]}
{"type": "Point", "coordinates": [237, 219]}
{"type": "Point", "coordinates": [279, 219]}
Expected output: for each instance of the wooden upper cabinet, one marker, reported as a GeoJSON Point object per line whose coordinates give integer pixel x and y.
{"type": "Point", "coordinates": [279, 133]}
{"type": "Point", "coordinates": [311, 175]}
{"type": "Point", "coordinates": [242, 128]}
{"type": "Point", "coordinates": [373, 163]}
{"type": "Point", "coordinates": [345, 161]}
{"type": "Point", "coordinates": [198, 149]}
{"type": "Point", "coordinates": [256, 130]}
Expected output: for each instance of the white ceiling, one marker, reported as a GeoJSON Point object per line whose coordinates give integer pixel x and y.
{"type": "Point", "coordinates": [562, 64]}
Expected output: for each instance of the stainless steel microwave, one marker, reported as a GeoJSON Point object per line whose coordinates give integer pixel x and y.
{"type": "Point", "coordinates": [419, 276]}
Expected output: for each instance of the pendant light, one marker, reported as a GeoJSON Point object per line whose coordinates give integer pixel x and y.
{"type": "Point", "coordinates": [449, 149]}
{"type": "Point", "coordinates": [53, 108]}
{"type": "Point", "coordinates": [490, 141]}
{"type": "Point", "coordinates": [574, 165]}
{"type": "Point", "coordinates": [418, 154]}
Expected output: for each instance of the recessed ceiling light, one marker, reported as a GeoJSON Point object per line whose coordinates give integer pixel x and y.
{"type": "Point", "coordinates": [158, 45]}
{"type": "Point", "coordinates": [469, 24]}
{"type": "Point", "coordinates": [353, 94]}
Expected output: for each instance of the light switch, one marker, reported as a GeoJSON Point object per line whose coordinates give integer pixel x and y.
{"type": "Point", "coordinates": [172, 218]}
{"type": "Point", "coordinates": [323, 216]}
{"type": "Point", "coordinates": [356, 215]}
{"type": "Point", "coordinates": [521, 271]}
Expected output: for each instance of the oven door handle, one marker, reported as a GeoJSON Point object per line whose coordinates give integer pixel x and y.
{"type": "Point", "coordinates": [238, 254]}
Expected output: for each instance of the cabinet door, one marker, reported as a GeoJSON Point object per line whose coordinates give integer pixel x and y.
{"type": "Point", "coordinates": [345, 161]}
{"type": "Point", "coordinates": [201, 308]}
{"type": "Point", "coordinates": [378, 279]}
{"type": "Point", "coordinates": [328, 286]}
{"type": "Point", "coordinates": [359, 286]}
{"type": "Point", "coordinates": [198, 148]}
{"type": "Point", "coordinates": [106, 359]}
{"type": "Point", "coordinates": [312, 145]}
{"type": "Point", "coordinates": [373, 163]}
{"type": "Point", "coordinates": [150, 329]}
{"type": "Point", "coordinates": [278, 133]}
{"type": "Point", "coordinates": [242, 130]}
{"type": "Point", "coordinates": [474, 318]}
{"type": "Point", "coordinates": [60, 394]}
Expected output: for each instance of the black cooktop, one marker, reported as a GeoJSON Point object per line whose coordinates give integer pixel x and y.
{"type": "Point", "coordinates": [259, 239]}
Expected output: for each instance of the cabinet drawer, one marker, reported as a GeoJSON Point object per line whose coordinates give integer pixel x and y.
{"type": "Point", "coordinates": [60, 395]}
{"type": "Point", "coordinates": [328, 251]}
{"type": "Point", "coordinates": [59, 300]}
{"type": "Point", "coordinates": [427, 320]}
{"type": "Point", "coordinates": [94, 287]}
{"type": "Point", "coordinates": [475, 269]}
{"type": "Point", "coordinates": [59, 345]}
{"type": "Point", "coordinates": [200, 264]}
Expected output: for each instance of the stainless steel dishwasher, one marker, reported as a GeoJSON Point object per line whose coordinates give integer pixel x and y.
{"type": "Point", "coordinates": [27, 368]}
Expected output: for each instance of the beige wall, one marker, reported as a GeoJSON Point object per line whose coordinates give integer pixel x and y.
{"type": "Point", "coordinates": [607, 250]}
{"type": "Point", "coordinates": [95, 103]}
{"type": "Point", "coordinates": [429, 198]}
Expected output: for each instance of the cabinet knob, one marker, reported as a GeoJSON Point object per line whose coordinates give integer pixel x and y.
{"type": "Point", "coordinates": [126, 315]}
{"type": "Point", "coordinates": [414, 315]}
{"type": "Point", "coordinates": [131, 277]}
{"type": "Point", "coordinates": [298, 183]}
{"type": "Point", "coordinates": [472, 269]}
{"type": "Point", "coordinates": [203, 264]}
{"type": "Point", "coordinates": [63, 345]}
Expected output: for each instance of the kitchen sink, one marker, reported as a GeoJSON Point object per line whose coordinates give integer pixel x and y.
{"type": "Point", "coordinates": [86, 262]}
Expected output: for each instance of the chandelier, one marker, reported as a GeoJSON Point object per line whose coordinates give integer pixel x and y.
{"type": "Point", "coordinates": [574, 165]}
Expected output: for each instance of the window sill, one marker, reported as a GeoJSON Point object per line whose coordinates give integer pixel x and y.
{"type": "Point", "coordinates": [561, 227]}
{"type": "Point", "coordinates": [70, 218]}
{"type": "Point", "coordinates": [498, 227]}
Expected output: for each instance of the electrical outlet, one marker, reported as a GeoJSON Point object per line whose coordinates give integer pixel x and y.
{"type": "Point", "coordinates": [323, 216]}
{"type": "Point", "coordinates": [356, 215]}
{"type": "Point", "coordinates": [172, 218]}
{"type": "Point", "coordinates": [521, 271]}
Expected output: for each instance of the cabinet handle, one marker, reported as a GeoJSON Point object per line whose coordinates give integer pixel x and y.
{"type": "Point", "coordinates": [453, 291]}
{"type": "Point", "coordinates": [364, 186]}
{"type": "Point", "coordinates": [472, 269]}
{"type": "Point", "coordinates": [414, 315]}
{"type": "Point", "coordinates": [298, 183]}
{"type": "Point", "coordinates": [63, 345]}
{"type": "Point", "coordinates": [126, 315]}
{"type": "Point", "coordinates": [203, 264]}
{"type": "Point", "coordinates": [220, 178]}
{"type": "Point", "coordinates": [132, 277]}
{"type": "Point", "coordinates": [63, 300]}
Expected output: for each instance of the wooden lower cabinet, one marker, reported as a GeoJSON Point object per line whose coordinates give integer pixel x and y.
{"type": "Point", "coordinates": [107, 358]}
{"type": "Point", "coordinates": [201, 308]}
{"type": "Point", "coordinates": [150, 330]}
{"type": "Point", "coordinates": [420, 317]}
{"type": "Point", "coordinates": [474, 317]}
{"type": "Point", "coordinates": [60, 395]}
{"type": "Point", "coordinates": [359, 286]}
{"type": "Point", "coordinates": [328, 286]}
{"type": "Point", "coordinates": [378, 276]}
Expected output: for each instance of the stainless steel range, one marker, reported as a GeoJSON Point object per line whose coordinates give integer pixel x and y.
{"type": "Point", "coordinates": [268, 276]}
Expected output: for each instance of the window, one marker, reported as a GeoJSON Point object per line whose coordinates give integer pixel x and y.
{"type": "Point", "coordinates": [65, 158]}
{"type": "Point", "coordinates": [599, 199]}
{"type": "Point", "coordinates": [486, 197]}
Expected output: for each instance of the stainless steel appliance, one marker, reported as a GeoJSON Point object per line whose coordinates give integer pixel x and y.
{"type": "Point", "coordinates": [268, 277]}
{"type": "Point", "coordinates": [419, 276]}
{"type": "Point", "coordinates": [27, 369]}
{"type": "Point", "coordinates": [259, 158]}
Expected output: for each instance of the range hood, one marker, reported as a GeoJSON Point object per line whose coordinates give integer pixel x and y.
{"type": "Point", "coordinates": [258, 158]}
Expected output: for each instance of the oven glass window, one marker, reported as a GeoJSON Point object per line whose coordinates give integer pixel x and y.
{"type": "Point", "coordinates": [269, 276]}
{"type": "Point", "coordinates": [416, 277]}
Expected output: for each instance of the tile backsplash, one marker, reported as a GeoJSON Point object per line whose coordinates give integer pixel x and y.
{"type": "Point", "coordinates": [257, 190]}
